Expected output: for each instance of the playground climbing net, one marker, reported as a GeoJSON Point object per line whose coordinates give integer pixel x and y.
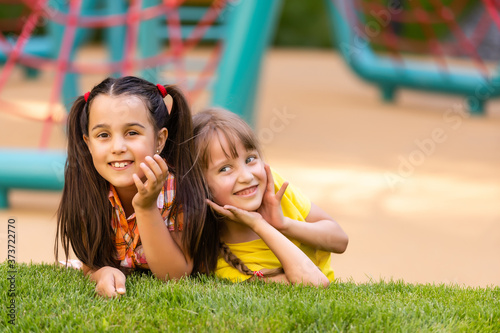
{"type": "Point", "coordinates": [179, 60]}
{"type": "Point", "coordinates": [444, 29]}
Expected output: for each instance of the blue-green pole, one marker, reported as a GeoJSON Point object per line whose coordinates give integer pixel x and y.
{"type": "Point", "coordinates": [249, 29]}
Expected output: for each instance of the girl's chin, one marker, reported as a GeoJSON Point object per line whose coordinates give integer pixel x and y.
{"type": "Point", "coordinates": [123, 184]}
{"type": "Point", "coordinates": [248, 208]}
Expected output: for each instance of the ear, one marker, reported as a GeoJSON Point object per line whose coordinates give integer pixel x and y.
{"type": "Point", "coordinates": [162, 138]}
{"type": "Point", "coordinates": [87, 141]}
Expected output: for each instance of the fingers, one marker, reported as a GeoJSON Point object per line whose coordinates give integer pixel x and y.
{"type": "Point", "coordinates": [270, 183]}
{"type": "Point", "coordinates": [119, 282]}
{"type": "Point", "coordinates": [270, 180]}
{"type": "Point", "coordinates": [112, 285]}
{"type": "Point", "coordinates": [163, 165]}
{"type": "Point", "coordinates": [281, 191]}
{"type": "Point", "coordinates": [238, 214]}
{"type": "Point", "coordinates": [222, 210]}
{"type": "Point", "coordinates": [236, 211]}
{"type": "Point", "coordinates": [217, 208]}
{"type": "Point", "coordinates": [149, 170]}
{"type": "Point", "coordinates": [158, 166]}
{"type": "Point", "coordinates": [138, 183]}
{"type": "Point", "coordinates": [156, 171]}
{"type": "Point", "coordinates": [106, 288]}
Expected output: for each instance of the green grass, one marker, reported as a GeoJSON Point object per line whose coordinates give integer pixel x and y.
{"type": "Point", "coordinates": [56, 299]}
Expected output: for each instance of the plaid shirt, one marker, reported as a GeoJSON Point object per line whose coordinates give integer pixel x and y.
{"type": "Point", "coordinates": [127, 240]}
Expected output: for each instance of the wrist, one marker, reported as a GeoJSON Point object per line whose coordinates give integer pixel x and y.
{"type": "Point", "coordinates": [259, 225]}
{"type": "Point", "coordinates": [285, 226]}
{"type": "Point", "coordinates": [95, 275]}
{"type": "Point", "coordinates": [139, 209]}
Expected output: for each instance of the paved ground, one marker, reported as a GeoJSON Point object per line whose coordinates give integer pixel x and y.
{"type": "Point", "coordinates": [415, 184]}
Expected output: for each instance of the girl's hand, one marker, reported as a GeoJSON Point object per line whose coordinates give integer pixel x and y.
{"type": "Point", "coordinates": [270, 209]}
{"type": "Point", "coordinates": [110, 281]}
{"type": "Point", "coordinates": [156, 171]}
{"type": "Point", "coordinates": [241, 216]}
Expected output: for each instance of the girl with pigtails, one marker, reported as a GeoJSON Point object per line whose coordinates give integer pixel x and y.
{"type": "Point", "coordinates": [268, 228]}
{"type": "Point", "coordinates": [133, 197]}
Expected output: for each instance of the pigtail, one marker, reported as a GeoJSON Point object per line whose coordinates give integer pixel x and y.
{"type": "Point", "coordinates": [236, 262]}
{"type": "Point", "coordinates": [200, 237]}
{"type": "Point", "coordinates": [84, 214]}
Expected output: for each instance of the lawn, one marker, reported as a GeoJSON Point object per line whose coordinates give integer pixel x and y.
{"type": "Point", "coordinates": [49, 298]}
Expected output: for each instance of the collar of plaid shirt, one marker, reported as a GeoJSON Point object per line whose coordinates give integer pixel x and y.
{"type": "Point", "coordinates": [125, 230]}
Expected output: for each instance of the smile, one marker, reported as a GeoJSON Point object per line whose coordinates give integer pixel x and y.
{"type": "Point", "coordinates": [247, 191]}
{"type": "Point", "coordinates": [120, 165]}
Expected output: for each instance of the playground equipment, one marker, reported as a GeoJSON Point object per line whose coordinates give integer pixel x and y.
{"type": "Point", "coordinates": [360, 25]}
{"type": "Point", "coordinates": [242, 28]}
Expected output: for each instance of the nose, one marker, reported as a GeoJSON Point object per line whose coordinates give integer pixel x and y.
{"type": "Point", "coordinates": [245, 175]}
{"type": "Point", "coordinates": [118, 145]}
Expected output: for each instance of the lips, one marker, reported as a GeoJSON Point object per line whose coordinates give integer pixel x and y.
{"type": "Point", "coordinates": [247, 191]}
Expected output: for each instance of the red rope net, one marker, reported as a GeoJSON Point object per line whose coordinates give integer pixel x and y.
{"type": "Point", "coordinates": [442, 29]}
{"type": "Point", "coordinates": [176, 55]}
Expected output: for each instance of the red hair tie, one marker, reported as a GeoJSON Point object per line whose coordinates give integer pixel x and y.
{"type": "Point", "coordinates": [258, 274]}
{"type": "Point", "coordinates": [162, 89]}
{"type": "Point", "coordinates": [86, 96]}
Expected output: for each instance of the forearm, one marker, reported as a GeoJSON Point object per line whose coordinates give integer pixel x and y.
{"type": "Point", "coordinates": [165, 258]}
{"type": "Point", "coordinates": [325, 235]}
{"type": "Point", "coordinates": [297, 265]}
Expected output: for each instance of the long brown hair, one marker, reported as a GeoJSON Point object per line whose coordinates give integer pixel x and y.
{"type": "Point", "coordinates": [217, 122]}
{"type": "Point", "coordinates": [84, 215]}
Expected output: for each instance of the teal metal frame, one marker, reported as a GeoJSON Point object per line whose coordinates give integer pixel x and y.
{"type": "Point", "coordinates": [390, 75]}
{"type": "Point", "coordinates": [249, 31]}
{"type": "Point", "coordinates": [30, 169]}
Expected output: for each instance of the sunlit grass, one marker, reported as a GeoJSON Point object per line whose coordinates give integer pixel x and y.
{"type": "Point", "coordinates": [56, 299]}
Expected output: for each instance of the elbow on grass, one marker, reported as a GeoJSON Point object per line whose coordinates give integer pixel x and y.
{"type": "Point", "coordinates": [314, 279]}
{"type": "Point", "coordinates": [322, 282]}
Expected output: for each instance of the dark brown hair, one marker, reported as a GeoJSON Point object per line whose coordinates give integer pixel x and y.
{"type": "Point", "coordinates": [84, 215]}
{"type": "Point", "coordinates": [217, 122]}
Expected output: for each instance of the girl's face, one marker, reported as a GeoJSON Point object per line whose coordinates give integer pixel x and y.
{"type": "Point", "coordinates": [240, 181]}
{"type": "Point", "coordinates": [120, 137]}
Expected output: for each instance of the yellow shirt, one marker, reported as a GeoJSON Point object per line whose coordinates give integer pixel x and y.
{"type": "Point", "coordinates": [257, 255]}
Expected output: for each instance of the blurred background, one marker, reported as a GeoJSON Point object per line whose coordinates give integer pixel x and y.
{"type": "Point", "coordinates": [385, 113]}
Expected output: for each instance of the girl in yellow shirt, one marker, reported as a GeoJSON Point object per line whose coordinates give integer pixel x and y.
{"type": "Point", "coordinates": [268, 228]}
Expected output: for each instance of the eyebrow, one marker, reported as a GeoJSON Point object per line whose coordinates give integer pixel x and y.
{"type": "Point", "coordinates": [126, 125]}
{"type": "Point", "coordinates": [219, 164]}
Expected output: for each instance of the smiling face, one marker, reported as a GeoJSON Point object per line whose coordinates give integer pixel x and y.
{"type": "Point", "coordinates": [238, 181]}
{"type": "Point", "coordinates": [120, 137]}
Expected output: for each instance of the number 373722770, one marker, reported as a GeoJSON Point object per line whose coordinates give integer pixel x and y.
{"type": "Point", "coordinates": [11, 243]}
